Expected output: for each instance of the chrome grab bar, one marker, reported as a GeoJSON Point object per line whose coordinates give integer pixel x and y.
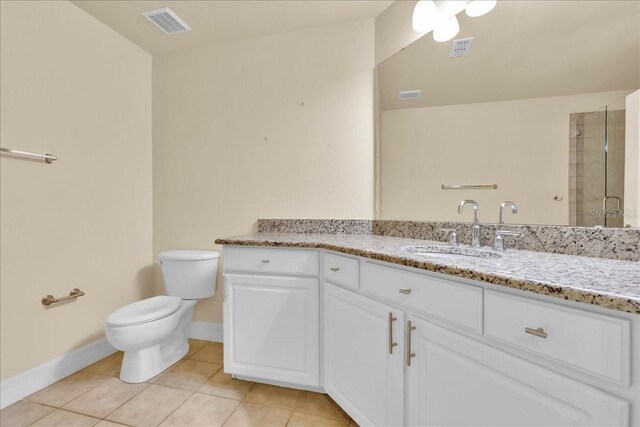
{"type": "Point", "coordinates": [50, 299]}
{"type": "Point", "coordinates": [49, 158]}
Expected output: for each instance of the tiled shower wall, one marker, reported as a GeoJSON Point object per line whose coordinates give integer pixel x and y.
{"type": "Point", "coordinates": [587, 136]}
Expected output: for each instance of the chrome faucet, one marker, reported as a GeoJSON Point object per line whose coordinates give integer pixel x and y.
{"type": "Point", "coordinates": [514, 209]}
{"type": "Point", "coordinates": [453, 235]}
{"type": "Point", "coordinates": [475, 241]}
{"type": "Point", "coordinates": [499, 244]}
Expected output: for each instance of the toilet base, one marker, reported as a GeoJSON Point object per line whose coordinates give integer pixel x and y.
{"type": "Point", "coordinates": [144, 364]}
{"type": "Point", "coordinates": [139, 366]}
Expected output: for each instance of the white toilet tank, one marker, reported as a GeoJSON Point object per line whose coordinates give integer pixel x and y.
{"type": "Point", "coordinates": [189, 274]}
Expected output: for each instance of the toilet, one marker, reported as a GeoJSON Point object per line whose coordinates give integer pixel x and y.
{"type": "Point", "coordinates": [151, 332]}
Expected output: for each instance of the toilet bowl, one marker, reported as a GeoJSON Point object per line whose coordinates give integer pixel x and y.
{"type": "Point", "coordinates": [152, 332]}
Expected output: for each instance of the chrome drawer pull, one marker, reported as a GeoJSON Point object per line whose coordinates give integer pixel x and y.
{"type": "Point", "coordinates": [405, 291]}
{"type": "Point", "coordinates": [265, 261]}
{"type": "Point", "coordinates": [392, 344]}
{"type": "Point", "coordinates": [334, 269]}
{"type": "Point", "coordinates": [537, 332]}
{"type": "Point", "coordinates": [410, 328]}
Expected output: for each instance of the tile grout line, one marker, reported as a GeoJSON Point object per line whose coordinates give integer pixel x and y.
{"type": "Point", "coordinates": [318, 415]}
{"type": "Point", "coordinates": [289, 418]}
{"type": "Point", "coordinates": [291, 411]}
{"type": "Point", "coordinates": [127, 401]}
{"type": "Point", "coordinates": [231, 414]}
{"type": "Point", "coordinates": [239, 404]}
{"type": "Point", "coordinates": [66, 410]}
{"type": "Point", "coordinates": [294, 407]}
{"type": "Point", "coordinates": [69, 401]}
{"type": "Point", "coordinates": [45, 415]}
{"type": "Point", "coordinates": [117, 376]}
{"type": "Point", "coordinates": [348, 421]}
{"type": "Point", "coordinates": [169, 414]}
{"type": "Point", "coordinates": [331, 402]}
{"type": "Point", "coordinates": [192, 392]}
{"type": "Point", "coordinates": [81, 413]}
{"type": "Point", "coordinates": [93, 416]}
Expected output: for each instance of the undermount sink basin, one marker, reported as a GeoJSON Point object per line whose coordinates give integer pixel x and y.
{"type": "Point", "coordinates": [449, 251]}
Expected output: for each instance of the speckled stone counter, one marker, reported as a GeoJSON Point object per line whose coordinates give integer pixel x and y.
{"type": "Point", "coordinates": [613, 284]}
{"type": "Point", "coordinates": [612, 243]}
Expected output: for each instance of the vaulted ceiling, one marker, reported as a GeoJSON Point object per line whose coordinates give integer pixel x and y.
{"type": "Point", "coordinates": [224, 21]}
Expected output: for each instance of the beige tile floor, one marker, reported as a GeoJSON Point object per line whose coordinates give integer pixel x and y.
{"type": "Point", "coordinates": [193, 392]}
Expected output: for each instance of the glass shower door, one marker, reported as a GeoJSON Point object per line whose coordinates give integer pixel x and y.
{"type": "Point", "coordinates": [596, 167]}
{"type": "Point", "coordinates": [613, 199]}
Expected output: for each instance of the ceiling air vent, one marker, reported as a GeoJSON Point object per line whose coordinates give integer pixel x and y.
{"type": "Point", "coordinates": [460, 47]}
{"type": "Point", "coordinates": [409, 94]}
{"type": "Point", "coordinates": [167, 21]}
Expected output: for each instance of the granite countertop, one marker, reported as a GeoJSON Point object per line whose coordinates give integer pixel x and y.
{"type": "Point", "coordinates": [607, 283]}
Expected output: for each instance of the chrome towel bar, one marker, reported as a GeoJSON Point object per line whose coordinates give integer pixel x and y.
{"type": "Point", "coordinates": [50, 299]}
{"type": "Point", "coordinates": [470, 187]}
{"type": "Point", "coordinates": [49, 158]}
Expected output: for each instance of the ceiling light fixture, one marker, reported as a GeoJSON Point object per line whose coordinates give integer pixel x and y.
{"type": "Point", "coordinates": [447, 30]}
{"type": "Point", "coordinates": [480, 7]}
{"type": "Point", "coordinates": [425, 16]}
{"type": "Point", "coordinates": [439, 16]}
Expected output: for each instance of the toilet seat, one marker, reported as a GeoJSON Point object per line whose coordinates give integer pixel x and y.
{"type": "Point", "coordinates": [144, 311]}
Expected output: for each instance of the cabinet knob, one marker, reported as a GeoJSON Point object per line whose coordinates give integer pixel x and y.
{"type": "Point", "coordinates": [405, 291]}
{"type": "Point", "coordinates": [538, 332]}
{"type": "Point", "coordinates": [335, 269]}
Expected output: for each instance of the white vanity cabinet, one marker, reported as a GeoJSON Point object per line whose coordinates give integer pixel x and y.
{"type": "Point", "coordinates": [405, 347]}
{"type": "Point", "coordinates": [455, 380]}
{"type": "Point", "coordinates": [364, 357]}
{"type": "Point", "coordinates": [272, 321]}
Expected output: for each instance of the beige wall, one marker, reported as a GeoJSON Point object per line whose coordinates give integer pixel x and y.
{"type": "Point", "coordinates": [632, 161]}
{"type": "Point", "coordinates": [233, 142]}
{"type": "Point", "coordinates": [394, 30]}
{"type": "Point", "coordinates": [72, 87]}
{"type": "Point", "coordinates": [523, 146]}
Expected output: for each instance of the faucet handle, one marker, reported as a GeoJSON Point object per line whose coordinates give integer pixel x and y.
{"type": "Point", "coordinates": [453, 237]}
{"type": "Point", "coordinates": [499, 243]}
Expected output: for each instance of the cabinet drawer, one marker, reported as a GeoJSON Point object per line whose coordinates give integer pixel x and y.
{"type": "Point", "coordinates": [341, 270]}
{"type": "Point", "coordinates": [446, 299]}
{"type": "Point", "coordinates": [594, 343]}
{"type": "Point", "coordinates": [263, 260]}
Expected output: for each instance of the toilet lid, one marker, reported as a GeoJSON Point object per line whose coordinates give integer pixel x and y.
{"type": "Point", "coordinates": [144, 311]}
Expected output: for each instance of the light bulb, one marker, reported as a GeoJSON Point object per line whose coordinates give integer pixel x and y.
{"type": "Point", "coordinates": [447, 30]}
{"type": "Point", "coordinates": [425, 16]}
{"type": "Point", "coordinates": [449, 8]}
{"type": "Point", "coordinates": [480, 7]}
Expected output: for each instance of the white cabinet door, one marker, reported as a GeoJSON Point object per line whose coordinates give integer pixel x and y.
{"type": "Point", "coordinates": [363, 372]}
{"type": "Point", "coordinates": [454, 380]}
{"type": "Point", "coordinates": [272, 328]}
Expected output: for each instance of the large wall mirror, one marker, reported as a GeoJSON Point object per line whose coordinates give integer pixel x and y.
{"type": "Point", "coordinates": [535, 112]}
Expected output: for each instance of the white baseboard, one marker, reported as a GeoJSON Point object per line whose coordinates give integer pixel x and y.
{"type": "Point", "coordinates": [25, 383]}
{"type": "Point", "coordinates": [205, 331]}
